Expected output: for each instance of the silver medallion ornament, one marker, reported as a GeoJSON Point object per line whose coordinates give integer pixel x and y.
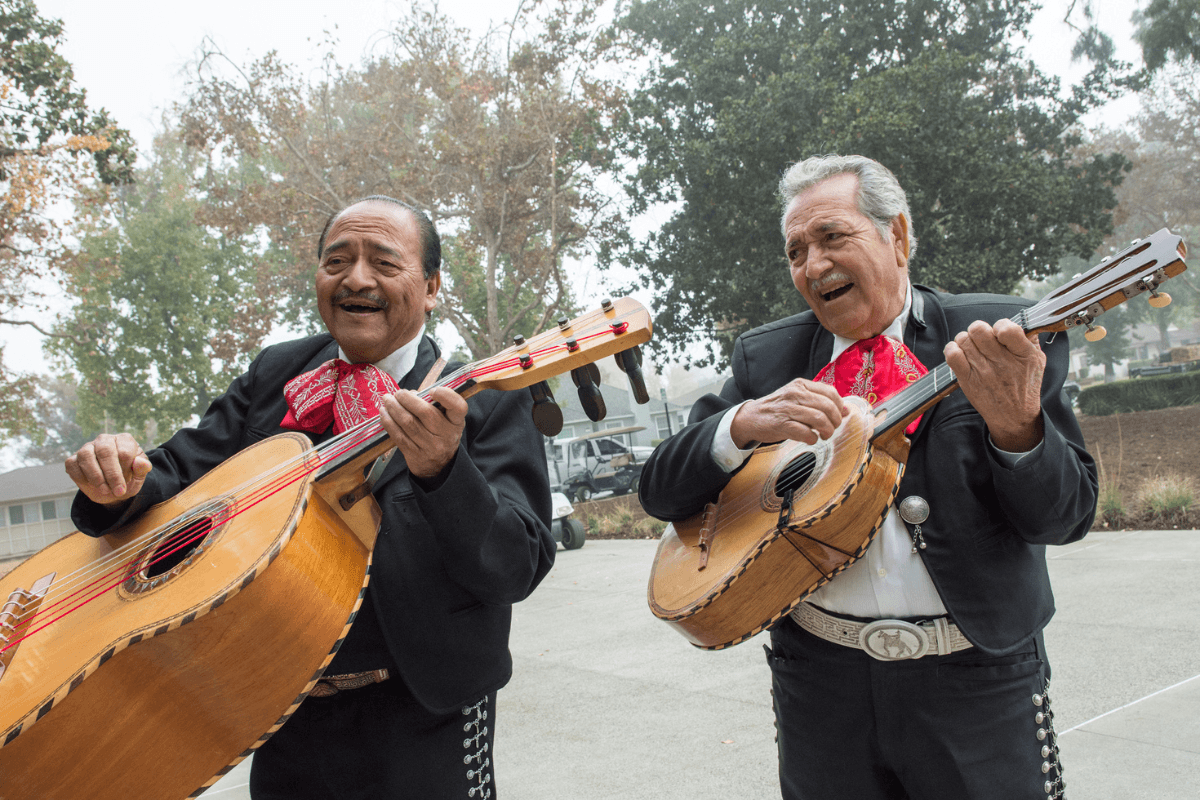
{"type": "Point", "coordinates": [914, 510]}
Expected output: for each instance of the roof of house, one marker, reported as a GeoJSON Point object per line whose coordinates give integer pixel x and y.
{"type": "Point", "coordinates": [48, 480]}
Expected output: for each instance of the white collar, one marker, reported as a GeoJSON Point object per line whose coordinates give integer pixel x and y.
{"type": "Point", "coordinates": [893, 331]}
{"type": "Point", "coordinates": [399, 362]}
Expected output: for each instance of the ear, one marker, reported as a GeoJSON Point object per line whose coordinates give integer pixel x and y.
{"type": "Point", "coordinates": [900, 239]}
{"type": "Point", "coordinates": [432, 287]}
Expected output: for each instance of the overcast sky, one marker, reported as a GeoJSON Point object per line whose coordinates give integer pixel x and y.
{"type": "Point", "coordinates": [132, 56]}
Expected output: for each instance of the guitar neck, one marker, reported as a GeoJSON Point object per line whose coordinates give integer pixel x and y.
{"type": "Point", "coordinates": [904, 406]}
{"type": "Point", "coordinates": [1140, 268]}
{"type": "Point", "coordinates": [615, 327]}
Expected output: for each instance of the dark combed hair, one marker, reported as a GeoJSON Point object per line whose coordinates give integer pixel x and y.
{"type": "Point", "coordinates": [431, 243]}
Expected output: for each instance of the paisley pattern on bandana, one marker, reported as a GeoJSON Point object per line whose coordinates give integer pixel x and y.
{"type": "Point", "coordinates": [854, 372]}
{"type": "Point", "coordinates": [336, 392]}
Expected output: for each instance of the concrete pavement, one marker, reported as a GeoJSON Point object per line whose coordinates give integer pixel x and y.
{"type": "Point", "coordinates": [608, 702]}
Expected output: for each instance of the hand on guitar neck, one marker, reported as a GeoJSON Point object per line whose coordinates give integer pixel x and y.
{"type": "Point", "coordinates": [109, 469]}
{"type": "Point", "coordinates": [999, 369]}
{"type": "Point", "coordinates": [801, 411]}
{"type": "Point", "coordinates": [426, 432]}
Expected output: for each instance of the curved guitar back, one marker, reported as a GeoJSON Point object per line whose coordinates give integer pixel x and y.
{"type": "Point", "coordinates": [741, 565]}
{"type": "Point", "coordinates": [148, 662]}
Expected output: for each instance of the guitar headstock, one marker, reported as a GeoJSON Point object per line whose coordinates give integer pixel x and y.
{"type": "Point", "coordinates": [1142, 267]}
{"type": "Point", "coordinates": [616, 328]}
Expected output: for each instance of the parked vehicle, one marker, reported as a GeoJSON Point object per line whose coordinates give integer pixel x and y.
{"type": "Point", "coordinates": [597, 462]}
{"type": "Point", "coordinates": [1177, 359]}
{"type": "Point", "coordinates": [564, 528]}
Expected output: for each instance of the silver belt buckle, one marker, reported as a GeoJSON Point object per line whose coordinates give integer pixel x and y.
{"type": "Point", "coordinates": [893, 640]}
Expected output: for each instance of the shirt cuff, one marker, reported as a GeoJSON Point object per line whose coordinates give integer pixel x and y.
{"type": "Point", "coordinates": [724, 452]}
{"type": "Point", "coordinates": [1010, 460]}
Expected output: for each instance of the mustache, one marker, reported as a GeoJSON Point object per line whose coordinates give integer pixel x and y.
{"type": "Point", "coordinates": [368, 298]}
{"type": "Point", "coordinates": [826, 280]}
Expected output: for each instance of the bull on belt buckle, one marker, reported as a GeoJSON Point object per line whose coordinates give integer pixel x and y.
{"type": "Point", "coordinates": [893, 640]}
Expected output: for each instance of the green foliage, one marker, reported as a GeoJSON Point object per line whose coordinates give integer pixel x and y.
{"type": "Point", "coordinates": [1168, 28]}
{"type": "Point", "coordinates": [53, 149]}
{"type": "Point", "coordinates": [739, 89]}
{"type": "Point", "coordinates": [1141, 394]}
{"type": "Point", "coordinates": [40, 98]}
{"type": "Point", "coordinates": [167, 314]}
{"type": "Point", "coordinates": [502, 140]}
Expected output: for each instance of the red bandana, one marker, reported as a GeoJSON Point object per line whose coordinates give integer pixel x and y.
{"type": "Point", "coordinates": [873, 369]}
{"type": "Point", "coordinates": [338, 392]}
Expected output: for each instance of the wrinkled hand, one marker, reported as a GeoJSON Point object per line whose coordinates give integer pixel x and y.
{"type": "Point", "coordinates": [801, 411]}
{"type": "Point", "coordinates": [109, 469]}
{"type": "Point", "coordinates": [1000, 369]}
{"type": "Point", "coordinates": [428, 436]}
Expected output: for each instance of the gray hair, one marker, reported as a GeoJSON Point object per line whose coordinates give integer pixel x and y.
{"type": "Point", "coordinates": [880, 196]}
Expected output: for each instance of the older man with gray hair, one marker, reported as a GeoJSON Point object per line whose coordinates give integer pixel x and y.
{"type": "Point", "coordinates": [996, 473]}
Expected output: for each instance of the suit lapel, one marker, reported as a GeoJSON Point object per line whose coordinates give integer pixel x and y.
{"type": "Point", "coordinates": [926, 336]}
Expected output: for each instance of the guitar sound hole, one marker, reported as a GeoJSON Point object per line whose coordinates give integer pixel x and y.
{"type": "Point", "coordinates": [796, 474]}
{"type": "Point", "coordinates": [178, 545]}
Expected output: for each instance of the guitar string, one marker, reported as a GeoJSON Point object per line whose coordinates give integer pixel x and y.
{"type": "Point", "coordinates": [255, 491]}
{"type": "Point", "coordinates": [184, 533]}
{"type": "Point", "coordinates": [285, 474]}
{"type": "Point", "coordinates": [749, 500]}
{"type": "Point", "coordinates": [339, 445]}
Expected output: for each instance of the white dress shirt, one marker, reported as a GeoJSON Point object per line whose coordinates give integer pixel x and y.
{"type": "Point", "coordinates": [890, 580]}
{"type": "Point", "coordinates": [400, 362]}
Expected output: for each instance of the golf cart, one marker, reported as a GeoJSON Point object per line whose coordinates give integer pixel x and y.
{"type": "Point", "coordinates": [601, 462]}
{"type": "Point", "coordinates": [565, 530]}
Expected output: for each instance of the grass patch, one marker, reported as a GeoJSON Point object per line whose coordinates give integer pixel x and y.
{"type": "Point", "coordinates": [1111, 506]}
{"type": "Point", "coordinates": [1166, 497]}
{"type": "Point", "coordinates": [621, 524]}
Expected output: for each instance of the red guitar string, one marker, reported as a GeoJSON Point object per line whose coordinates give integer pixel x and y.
{"type": "Point", "coordinates": [195, 531]}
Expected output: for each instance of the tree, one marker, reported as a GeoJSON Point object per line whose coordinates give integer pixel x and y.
{"type": "Point", "coordinates": [935, 89]}
{"type": "Point", "coordinates": [52, 147]}
{"type": "Point", "coordinates": [1163, 185]}
{"type": "Point", "coordinates": [1168, 28]}
{"type": "Point", "coordinates": [59, 434]}
{"type": "Point", "coordinates": [168, 313]}
{"type": "Point", "coordinates": [502, 141]}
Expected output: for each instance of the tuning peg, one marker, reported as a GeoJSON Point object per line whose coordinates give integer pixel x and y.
{"type": "Point", "coordinates": [1095, 333]}
{"type": "Point", "coordinates": [630, 362]}
{"type": "Point", "coordinates": [586, 378]}
{"type": "Point", "coordinates": [1159, 299]}
{"type": "Point", "coordinates": [547, 416]}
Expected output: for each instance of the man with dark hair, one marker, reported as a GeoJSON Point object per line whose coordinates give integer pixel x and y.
{"type": "Point", "coordinates": [950, 700]}
{"type": "Point", "coordinates": [407, 706]}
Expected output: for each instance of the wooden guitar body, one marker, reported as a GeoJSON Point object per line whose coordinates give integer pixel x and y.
{"type": "Point", "coordinates": [756, 570]}
{"type": "Point", "coordinates": [745, 562]}
{"type": "Point", "coordinates": [158, 681]}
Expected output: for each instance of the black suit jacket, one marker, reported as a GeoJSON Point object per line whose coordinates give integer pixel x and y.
{"type": "Point", "coordinates": [449, 561]}
{"type": "Point", "coordinates": [988, 525]}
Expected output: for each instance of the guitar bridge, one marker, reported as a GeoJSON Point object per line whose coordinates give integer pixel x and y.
{"type": "Point", "coordinates": [707, 532]}
{"type": "Point", "coordinates": [18, 612]}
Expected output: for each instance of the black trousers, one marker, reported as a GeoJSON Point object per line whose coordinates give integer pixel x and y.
{"type": "Point", "coordinates": [378, 743]}
{"type": "Point", "coordinates": [963, 726]}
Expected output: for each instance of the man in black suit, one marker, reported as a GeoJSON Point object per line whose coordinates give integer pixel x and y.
{"type": "Point", "coordinates": [407, 708]}
{"type": "Point", "coordinates": [954, 587]}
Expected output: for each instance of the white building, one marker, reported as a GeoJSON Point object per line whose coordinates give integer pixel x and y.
{"type": "Point", "coordinates": [35, 509]}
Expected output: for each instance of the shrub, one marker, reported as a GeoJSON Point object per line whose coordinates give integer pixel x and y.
{"type": "Point", "coordinates": [622, 524]}
{"type": "Point", "coordinates": [1141, 394]}
{"type": "Point", "coordinates": [1166, 496]}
